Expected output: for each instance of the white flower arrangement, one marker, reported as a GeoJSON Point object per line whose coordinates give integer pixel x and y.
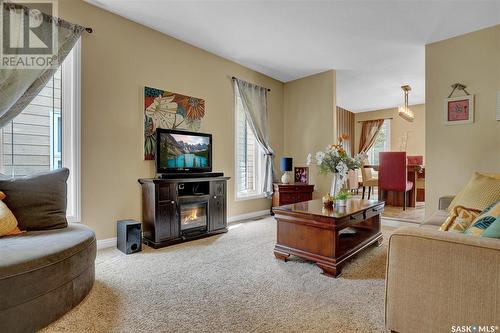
{"type": "Point", "coordinates": [335, 160]}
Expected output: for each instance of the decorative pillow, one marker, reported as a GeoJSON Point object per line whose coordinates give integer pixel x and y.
{"type": "Point", "coordinates": [493, 231]}
{"type": "Point", "coordinates": [460, 194]}
{"type": "Point", "coordinates": [484, 220]}
{"type": "Point", "coordinates": [8, 222]}
{"type": "Point", "coordinates": [39, 201]}
{"type": "Point", "coordinates": [480, 192]}
{"type": "Point", "coordinates": [460, 219]}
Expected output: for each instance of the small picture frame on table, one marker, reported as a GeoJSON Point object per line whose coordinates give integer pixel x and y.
{"type": "Point", "coordinates": [459, 110]}
{"type": "Point", "coordinates": [301, 175]}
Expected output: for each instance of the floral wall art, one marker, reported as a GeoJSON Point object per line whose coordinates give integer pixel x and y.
{"type": "Point", "coordinates": [165, 109]}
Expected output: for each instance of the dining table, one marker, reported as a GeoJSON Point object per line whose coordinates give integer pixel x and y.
{"type": "Point", "coordinates": [393, 198]}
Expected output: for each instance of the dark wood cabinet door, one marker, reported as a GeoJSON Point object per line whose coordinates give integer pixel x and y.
{"type": "Point", "coordinates": [165, 221]}
{"type": "Point", "coordinates": [175, 223]}
{"type": "Point", "coordinates": [217, 211]}
{"type": "Point", "coordinates": [219, 188]}
{"type": "Point", "coordinates": [217, 208]}
{"type": "Point", "coordinates": [166, 192]}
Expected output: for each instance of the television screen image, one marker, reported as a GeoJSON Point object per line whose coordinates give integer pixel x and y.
{"type": "Point", "coordinates": [184, 151]}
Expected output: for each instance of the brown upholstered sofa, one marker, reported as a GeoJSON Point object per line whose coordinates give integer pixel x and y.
{"type": "Point", "coordinates": [439, 280]}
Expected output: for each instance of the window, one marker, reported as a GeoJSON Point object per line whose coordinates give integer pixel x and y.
{"type": "Point", "coordinates": [46, 134]}
{"type": "Point", "coordinates": [382, 142]}
{"type": "Point", "coordinates": [249, 157]}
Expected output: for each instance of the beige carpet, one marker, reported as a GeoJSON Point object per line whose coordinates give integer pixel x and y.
{"type": "Point", "coordinates": [229, 283]}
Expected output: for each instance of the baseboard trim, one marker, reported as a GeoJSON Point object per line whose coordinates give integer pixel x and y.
{"type": "Point", "coordinates": [111, 242]}
{"type": "Point", "coordinates": [105, 243]}
{"type": "Point", "coordinates": [247, 216]}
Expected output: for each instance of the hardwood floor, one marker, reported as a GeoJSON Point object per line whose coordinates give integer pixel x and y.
{"type": "Point", "coordinates": [411, 214]}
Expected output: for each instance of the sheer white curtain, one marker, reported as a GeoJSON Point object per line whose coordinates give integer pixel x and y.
{"type": "Point", "coordinates": [20, 84]}
{"type": "Point", "coordinates": [254, 100]}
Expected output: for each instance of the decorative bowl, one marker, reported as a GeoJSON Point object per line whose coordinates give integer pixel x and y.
{"type": "Point", "coordinates": [327, 200]}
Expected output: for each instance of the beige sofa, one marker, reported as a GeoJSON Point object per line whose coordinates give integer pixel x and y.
{"type": "Point", "coordinates": [440, 280]}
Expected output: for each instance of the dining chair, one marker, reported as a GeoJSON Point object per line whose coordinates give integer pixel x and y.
{"type": "Point", "coordinates": [416, 160]}
{"type": "Point", "coordinates": [393, 174]}
{"type": "Point", "coordinates": [352, 181]}
{"type": "Point", "coordinates": [420, 181]}
{"type": "Point", "coordinates": [368, 180]}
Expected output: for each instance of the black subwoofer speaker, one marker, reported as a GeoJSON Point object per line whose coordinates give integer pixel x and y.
{"type": "Point", "coordinates": [129, 236]}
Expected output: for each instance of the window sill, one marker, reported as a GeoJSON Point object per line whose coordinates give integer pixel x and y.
{"type": "Point", "coordinates": [243, 197]}
{"type": "Point", "coordinates": [73, 219]}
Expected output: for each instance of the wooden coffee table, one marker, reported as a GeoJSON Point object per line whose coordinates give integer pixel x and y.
{"type": "Point", "coordinates": [327, 236]}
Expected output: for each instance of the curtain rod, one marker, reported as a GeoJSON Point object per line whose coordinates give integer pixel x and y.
{"type": "Point", "coordinates": [362, 121]}
{"type": "Point", "coordinates": [89, 30]}
{"type": "Point", "coordinates": [234, 78]}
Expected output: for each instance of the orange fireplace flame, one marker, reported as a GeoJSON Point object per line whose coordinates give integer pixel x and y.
{"type": "Point", "coordinates": [192, 216]}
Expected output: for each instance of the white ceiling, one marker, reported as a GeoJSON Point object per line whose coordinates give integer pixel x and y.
{"type": "Point", "coordinates": [375, 45]}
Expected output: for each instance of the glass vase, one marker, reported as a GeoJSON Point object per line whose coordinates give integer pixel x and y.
{"type": "Point", "coordinates": [334, 189]}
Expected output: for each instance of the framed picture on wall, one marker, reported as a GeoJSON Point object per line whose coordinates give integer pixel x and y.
{"type": "Point", "coordinates": [301, 175]}
{"type": "Point", "coordinates": [459, 110]}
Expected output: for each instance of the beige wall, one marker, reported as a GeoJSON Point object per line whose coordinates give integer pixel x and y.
{"type": "Point", "coordinates": [399, 128]}
{"type": "Point", "coordinates": [455, 152]}
{"type": "Point", "coordinates": [309, 105]}
{"type": "Point", "coordinates": [118, 60]}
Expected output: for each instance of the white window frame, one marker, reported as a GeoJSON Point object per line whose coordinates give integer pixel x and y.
{"type": "Point", "coordinates": [71, 141]}
{"type": "Point", "coordinates": [259, 158]}
{"type": "Point", "coordinates": [54, 139]}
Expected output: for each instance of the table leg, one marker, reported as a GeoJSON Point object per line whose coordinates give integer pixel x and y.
{"type": "Point", "coordinates": [281, 255]}
{"type": "Point", "coordinates": [328, 270]}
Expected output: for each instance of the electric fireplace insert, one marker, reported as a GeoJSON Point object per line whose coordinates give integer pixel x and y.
{"type": "Point", "coordinates": [193, 217]}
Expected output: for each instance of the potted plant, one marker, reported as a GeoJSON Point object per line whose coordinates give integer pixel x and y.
{"type": "Point", "coordinates": [335, 160]}
{"type": "Point", "coordinates": [341, 198]}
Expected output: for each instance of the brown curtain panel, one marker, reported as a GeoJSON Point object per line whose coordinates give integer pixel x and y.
{"type": "Point", "coordinates": [369, 133]}
{"type": "Point", "coordinates": [345, 125]}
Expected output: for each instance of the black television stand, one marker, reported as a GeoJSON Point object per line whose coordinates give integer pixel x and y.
{"type": "Point", "coordinates": [184, 175]}
{"type": "Point", "coordinates": [181, 209]}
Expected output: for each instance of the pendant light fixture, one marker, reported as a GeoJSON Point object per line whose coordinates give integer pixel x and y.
{"type": "Point", "coordinates": [404, 110]}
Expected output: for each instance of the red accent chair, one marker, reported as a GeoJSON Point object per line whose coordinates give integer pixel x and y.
{"type": "Point", "coordinates": [393, 174]}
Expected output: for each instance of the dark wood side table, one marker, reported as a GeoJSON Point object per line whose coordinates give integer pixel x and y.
{"type": "Point", "coordinates": [286, 194]}
{"type": "Point", "coordinates": [327, 236]}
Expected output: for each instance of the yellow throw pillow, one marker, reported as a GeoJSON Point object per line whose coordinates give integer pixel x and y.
{"type": "Point", "coordinates": [491, 175]}
{"type": "Point", "coordinates": [8, 222]}
{"type": "Point", "coordinates": [484, 220]}
{"type": "Point", "coordinates": [460, 219]}
{"type": "Point", "coordinates": [480, 192]}
{"type": "Point", "coordinates": [460, 194]}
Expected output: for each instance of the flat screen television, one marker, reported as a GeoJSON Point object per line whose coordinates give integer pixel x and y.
{"type": "Point", "coordinates": [181, 151]}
